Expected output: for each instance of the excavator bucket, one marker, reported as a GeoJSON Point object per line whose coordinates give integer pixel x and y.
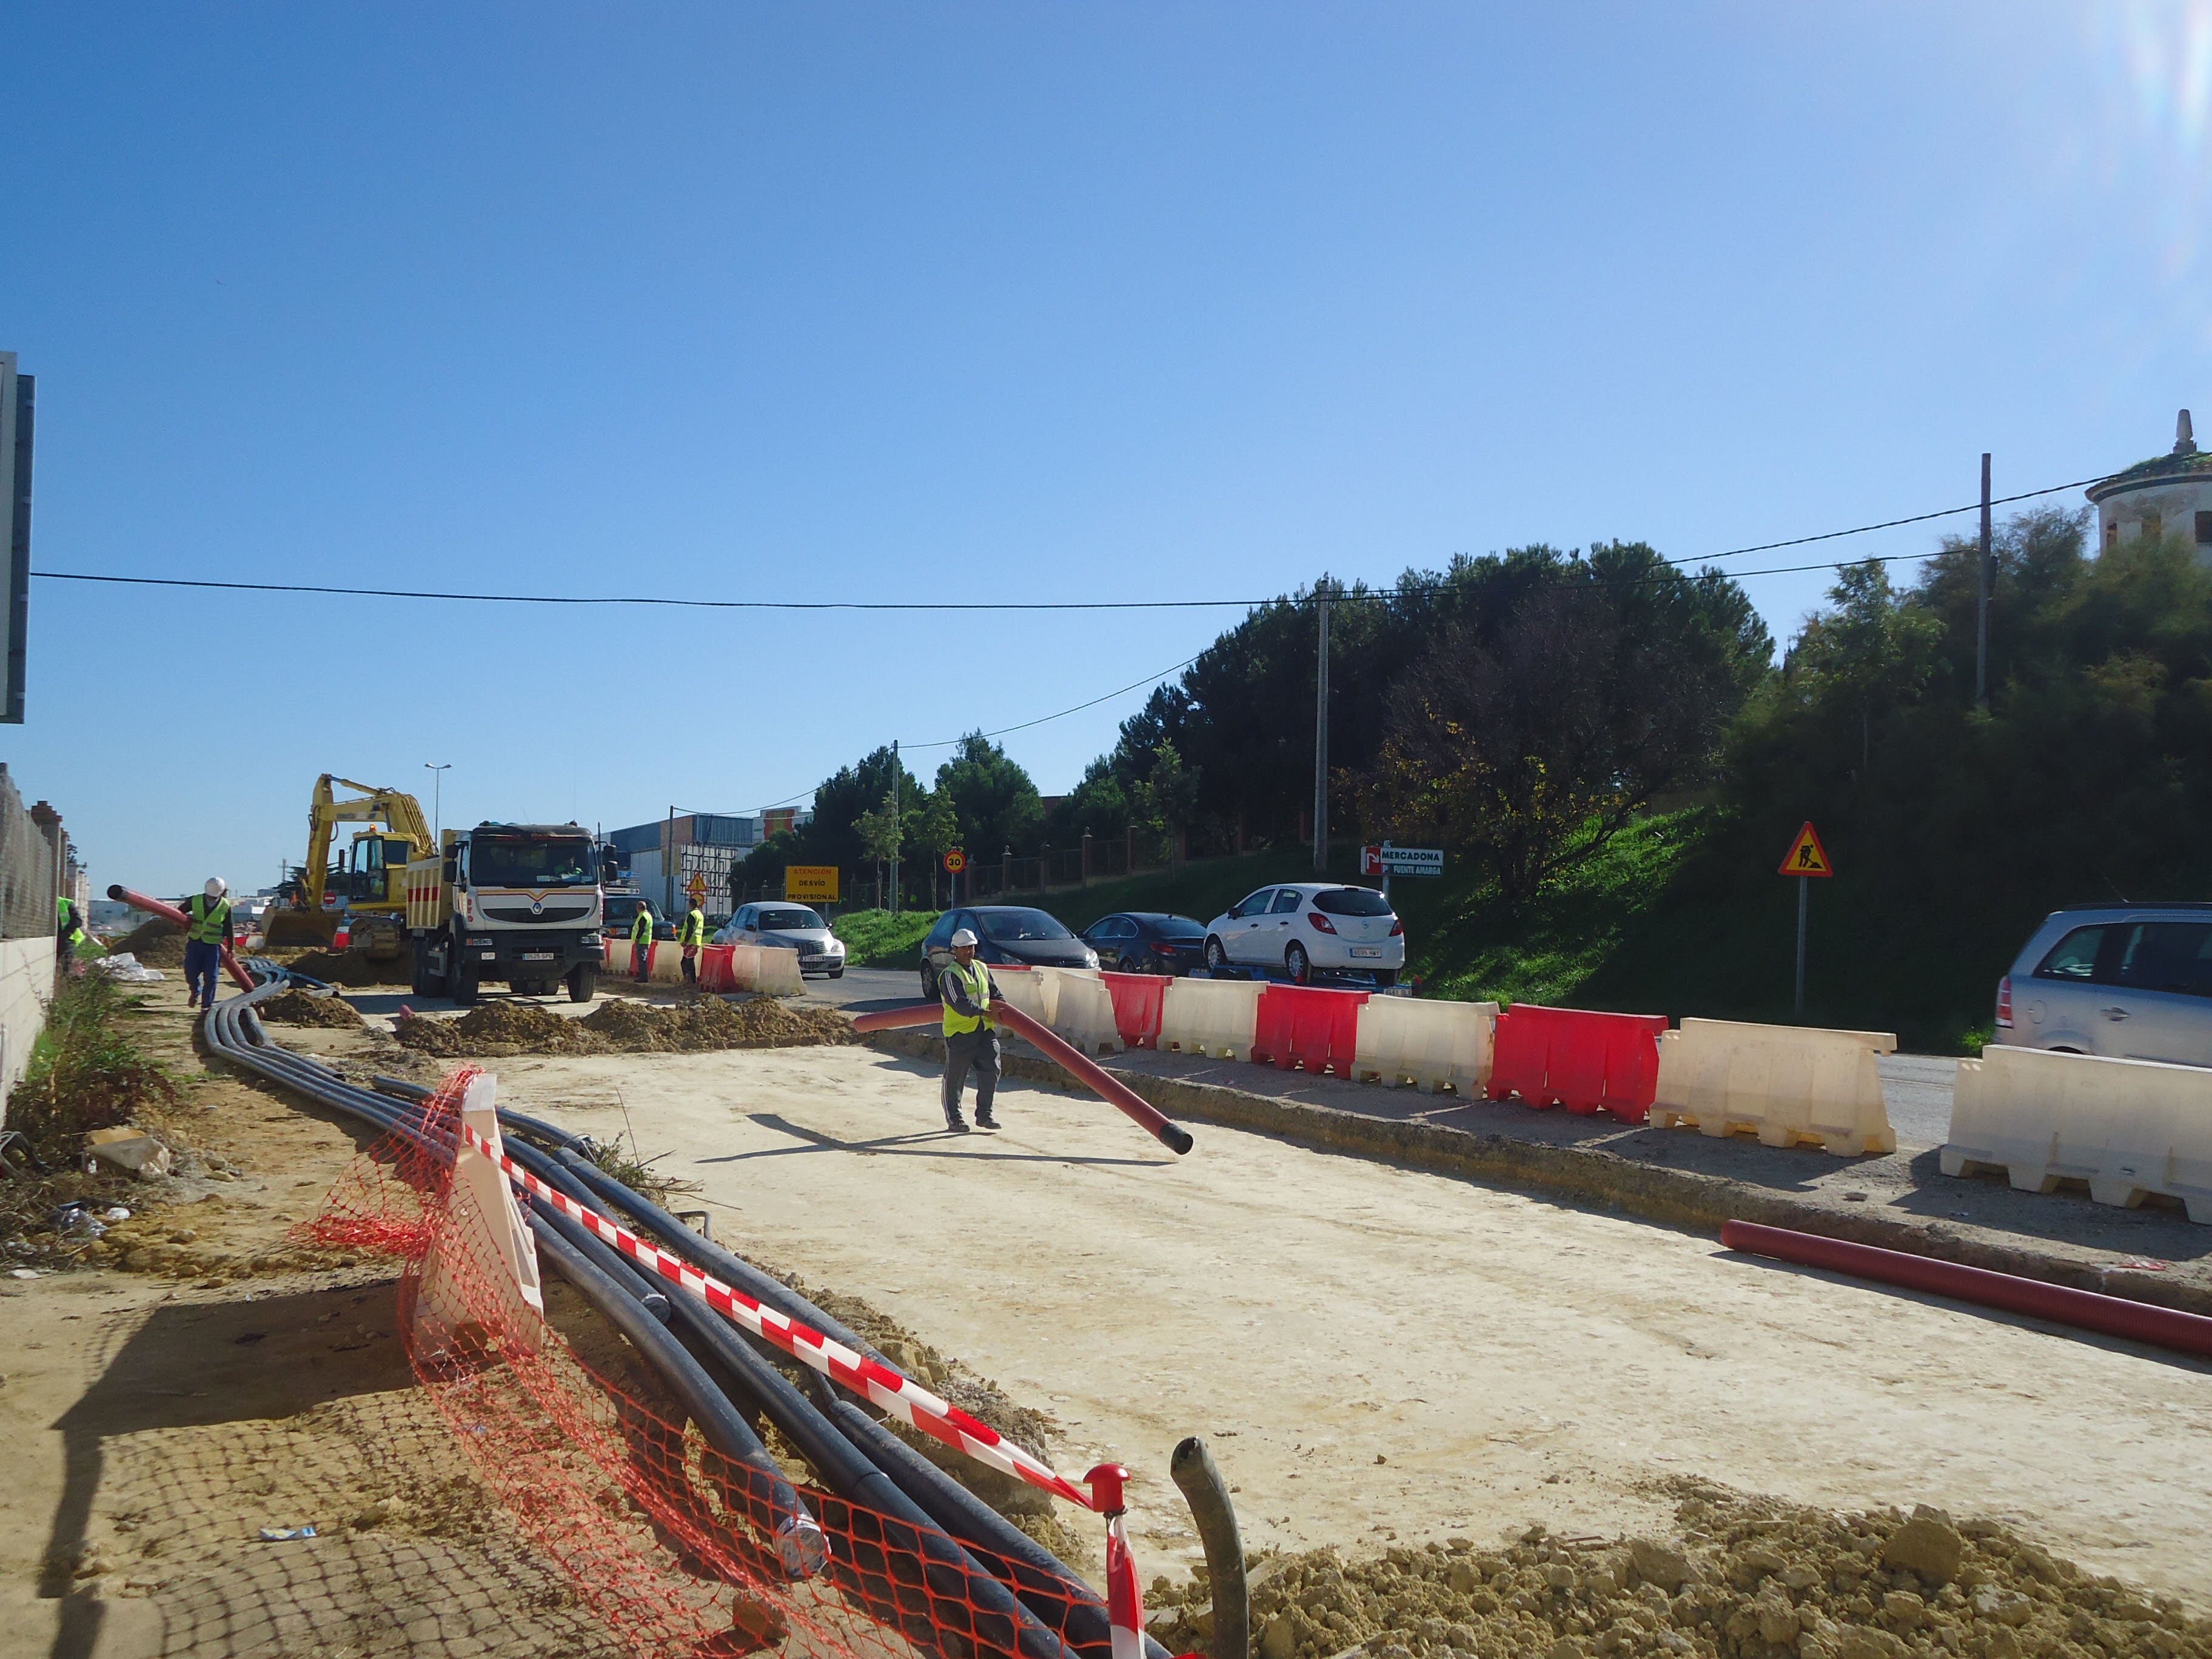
{"type": "Point", "coordinates": [308, 928]}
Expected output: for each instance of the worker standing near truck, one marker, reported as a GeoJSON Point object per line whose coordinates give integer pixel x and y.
{"type": "Point", "coordinates": [971, 1035]}
{"type": "Point", "coordinates": [641, 943]}
{"type": "Point", "coordinates": [207, 914]}
{"type": "Point", "coordinates": [692, 936]}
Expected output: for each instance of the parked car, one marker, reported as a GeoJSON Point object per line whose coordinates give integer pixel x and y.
{"type": "Point", "coordinates": [1146, 942]}
{"type": "Point", "coordinates": [789, 928]}
{"type": "Point", "coordinates": [2130, 982]}
{"type": "Point", "coordinates": [1309, 927]}
{"type": "Point", "coordinates": [1005, 935]}
{"type": "Point", "coordinates": [621, 915]}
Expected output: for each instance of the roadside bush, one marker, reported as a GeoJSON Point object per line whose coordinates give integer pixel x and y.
{"type": "Point", "coordinates": [883, 938]}
{"type": "Point", "coordinates": [85, 1073]}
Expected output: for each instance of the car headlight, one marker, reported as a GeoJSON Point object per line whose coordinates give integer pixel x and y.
{"type": "Point", "coordinates": [1089, 957]}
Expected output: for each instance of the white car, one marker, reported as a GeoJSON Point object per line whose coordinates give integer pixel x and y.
{"type": "Point", "coordinates": [1310, 926]}
{"type": "Point", "coordinates": [790, 927]}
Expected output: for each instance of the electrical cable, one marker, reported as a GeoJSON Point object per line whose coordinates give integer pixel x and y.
{"type": "Point", "coordinates": [1017, 605]}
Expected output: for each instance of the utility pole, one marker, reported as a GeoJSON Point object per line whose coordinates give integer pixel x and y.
{"type": "Point", "coordinates": [1981, 604]}
{"type": "Point", "coordinates": [438, 771]}
{"type": "Point", "coordinates": [895, 825]}
{"type": "Point", "coordinates": [1320, 731]}
{"type": "Point", "coordinates": [668, 867]}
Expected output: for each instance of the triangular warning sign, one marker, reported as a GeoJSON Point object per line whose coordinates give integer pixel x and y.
{"type": "Point", "coordinates": [1807, 856]}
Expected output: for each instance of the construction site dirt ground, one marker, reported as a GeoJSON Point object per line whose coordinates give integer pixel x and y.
{"type": "Point", "coordinates": [1377, 1353]}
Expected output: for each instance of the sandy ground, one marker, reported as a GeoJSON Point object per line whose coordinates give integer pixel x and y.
{"type": "Point", "coordinates": [1378, 1353]}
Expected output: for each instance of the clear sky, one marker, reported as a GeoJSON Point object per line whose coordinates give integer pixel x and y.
{"type": "Point", "coordinates": [1024, 301]}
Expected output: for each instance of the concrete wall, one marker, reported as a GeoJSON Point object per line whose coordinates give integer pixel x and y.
{"type": "Point", "coordinates": [27, 984]}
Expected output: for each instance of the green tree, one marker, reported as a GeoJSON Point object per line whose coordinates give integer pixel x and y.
{"type": "Point", "coordinates": [1166, 800]}
{"type": "Point", "coordinates": [993, 799]}
{"type": "Point", "coordinates": [880, 834]}
{"type": "Point", "coordinates": [935, 830]}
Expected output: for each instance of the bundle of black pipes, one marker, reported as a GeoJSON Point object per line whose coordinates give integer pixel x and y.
{"type": "Point", "coordinates": [1026, 1602]}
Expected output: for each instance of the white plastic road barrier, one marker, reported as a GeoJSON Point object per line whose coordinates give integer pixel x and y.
{"type": "Point", "coordinates": [1216, 1017]}
{"type": "Point", "coordinates": [2129, 1127]}
{"type": "Point", "coordinates": [1029, 989]}
{"type": "Point", "coordinates": [1431, 1045]}
{"type": "Point", "coordinates": [758, 968]}
{"type": "Point", "coordinates": [752, 967]}
{"type": "Point", "coordinates": [1082, 1009]}
{"type": "Point", "coordinates": [1786, 1083]}
{"type": "Point", "coordinates": [482, 1225]}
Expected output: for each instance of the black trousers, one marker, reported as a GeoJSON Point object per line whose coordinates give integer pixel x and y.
{"type": "Point", "coordinates": [967, 1051]}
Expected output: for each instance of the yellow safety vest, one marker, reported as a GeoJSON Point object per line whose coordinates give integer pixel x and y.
{"type": "Point", "coordinates": [207, 919]}
{"type": "Point", "coordinates": [978, 979]}
{"type": "Point", "coordinates": [695, 928]}
{"type": "Point", "coordinates": [641, 930]}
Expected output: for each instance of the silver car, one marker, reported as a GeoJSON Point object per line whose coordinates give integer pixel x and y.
{"type": "Point", "coordinates": [2129, 982]}
{"type": "Point", "coordinates": [789, 927]}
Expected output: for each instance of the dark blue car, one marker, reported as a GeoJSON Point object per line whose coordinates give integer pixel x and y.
{"type": "Point", "coordinates": [1147, 942]}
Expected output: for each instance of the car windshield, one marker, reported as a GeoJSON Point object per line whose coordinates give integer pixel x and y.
{"type": "Point", "coordinates": [510, 861]}
{"type": "Point", "coordinates": [1177, 927]}
{"type": "Point", "coordinates": [1351, 901]}
{"type": "Point", "coordinates": [622, 911]}
{"type": "Point", "coordinates": [778, 921]}
{"type": "Point", "coordinates": [1021, 924]}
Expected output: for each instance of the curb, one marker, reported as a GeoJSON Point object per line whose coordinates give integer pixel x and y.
{"type": "Point", "coordinates": [1599, 1180]}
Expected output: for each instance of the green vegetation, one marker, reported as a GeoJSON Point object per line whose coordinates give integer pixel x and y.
{"type": "Point", "coordinates": [877, 938]}
{"type": "Point", "coordinates": [85, 1073]}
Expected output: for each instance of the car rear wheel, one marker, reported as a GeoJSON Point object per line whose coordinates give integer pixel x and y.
{"type": "Point", "coordinates": [1386, 976]}
{"type": "Point", "coordinates": [1296, 961]}
{"type": "Point", "coordinates": [1216, 958]}
{"type": "Point", "coordinates": [929, 991]}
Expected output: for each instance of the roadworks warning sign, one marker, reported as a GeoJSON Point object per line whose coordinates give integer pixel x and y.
{"type": "Point", "coordinates": [1807, 856]}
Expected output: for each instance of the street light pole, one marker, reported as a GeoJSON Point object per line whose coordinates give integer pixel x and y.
{"type": "Point", "coordinates": [1320, 731]}
{"type": "Point", "coordinates": [437, 770]}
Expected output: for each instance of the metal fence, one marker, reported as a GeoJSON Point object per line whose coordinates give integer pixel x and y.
{"type": "Point", "coordinates": [29, 868]}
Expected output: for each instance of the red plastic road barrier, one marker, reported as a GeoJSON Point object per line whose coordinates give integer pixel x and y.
{"type": "Point", "coordinates": [1138, 999]}
{"type": "Point", "coordinates": [717, 969]}
{"type": "Point", "coordinates": [2114, 1316]}
{"type": "Point", "coordinates": [1582, 1060]}
{"type": "Point", "coordinates": [122, 895]}
{"type": "Point", "coordinates": [1301, 1025]}
{"type": "Point", "coordinates": [1095, 1077]}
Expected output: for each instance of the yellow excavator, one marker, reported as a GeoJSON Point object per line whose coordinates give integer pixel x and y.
{"type": "Point", "coordinates": [369, 885]}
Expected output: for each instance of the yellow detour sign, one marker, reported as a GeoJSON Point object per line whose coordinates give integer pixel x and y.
{"type": "Point", "coordinates": [1807, 857]}
{"type": "Point", "coordinates": [954, 861]}
{"type": "Point", "coordinates": [810, 881]}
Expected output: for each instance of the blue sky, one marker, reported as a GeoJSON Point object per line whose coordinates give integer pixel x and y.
{"type": "Point", "coordinates": [1022, 302]}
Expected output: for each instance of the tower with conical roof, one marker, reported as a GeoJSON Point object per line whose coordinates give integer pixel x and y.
{"type": "Point", "coordinates": [2169, 494]}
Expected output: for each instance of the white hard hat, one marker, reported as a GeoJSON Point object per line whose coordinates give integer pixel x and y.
{"type": "Point", "coordinates": [965, 936]}
{"type": "Point", "coordinates": [216, 887]}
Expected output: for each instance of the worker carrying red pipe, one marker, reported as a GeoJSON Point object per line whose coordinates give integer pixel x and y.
{"type": "Point", "coordinates": [971, 1035]}
{"type": "Point", "coordinates": [207, 936]}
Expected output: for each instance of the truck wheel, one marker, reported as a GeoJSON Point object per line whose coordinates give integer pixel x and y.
{"type": "Point", "coordinates": [427, 982]}
{"type": "Point", "coordinates": [461, 985]}
{"type": "Point", "coordinates": [583, 984]}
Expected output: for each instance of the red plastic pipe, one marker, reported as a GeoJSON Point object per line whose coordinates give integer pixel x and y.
{"type": "Point", "coordinates": [2113, 1315]}
{"type": "Point", "coordinates": [122, 895]}
{"type": "Point", "coordinates": [1101, 1082]}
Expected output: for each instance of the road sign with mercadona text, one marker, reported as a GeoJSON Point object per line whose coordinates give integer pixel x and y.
{"type": "Point", "coordinates": [1388, 860]}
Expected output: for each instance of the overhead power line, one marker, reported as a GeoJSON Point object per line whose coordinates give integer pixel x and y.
{"type": "Point", "coordinates": [1378, 594]}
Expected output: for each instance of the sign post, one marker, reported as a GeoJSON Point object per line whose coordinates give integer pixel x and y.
{"type": "Point", "coordinates": [955, 862]}
{"type": "Point", "coordinates": [1387, 861]}
{"type": "Point", "coordinates": [1805, 858]}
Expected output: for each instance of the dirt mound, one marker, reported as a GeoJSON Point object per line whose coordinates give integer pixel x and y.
{"type": "Point", "coordinates": [350, 969]}
{"type": "Point", "coordinates": [298, 1007]}
{"type": "Point", "coordinates": [499, 1029]}
{"type": "Point", "coordinates": [1754, 1578]}
{"type": "Point", "coordinates": [711, 1023]}
{"type": "Point", "coordinates": [154, 942]}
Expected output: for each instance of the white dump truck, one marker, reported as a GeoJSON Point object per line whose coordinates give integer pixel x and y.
{"type": "Point", "coordinates": [514, 902]}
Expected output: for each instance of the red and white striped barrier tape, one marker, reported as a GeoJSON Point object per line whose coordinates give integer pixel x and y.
{"type": "Point", "coordinates": [901, 1395]}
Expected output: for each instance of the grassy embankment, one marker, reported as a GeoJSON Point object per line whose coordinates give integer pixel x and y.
{"type": "Point", "coordinates": [1674, 916]}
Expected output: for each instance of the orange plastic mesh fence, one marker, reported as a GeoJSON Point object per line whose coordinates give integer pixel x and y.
{"type": "Point", "coordinates": [669, 1542]}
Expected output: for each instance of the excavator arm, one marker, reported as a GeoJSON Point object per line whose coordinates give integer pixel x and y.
{"type": "Point", "coordinates": [399, 811]}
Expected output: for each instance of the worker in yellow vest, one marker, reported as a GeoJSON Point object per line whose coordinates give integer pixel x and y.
{"type": "Point", "coordinates": [692, 935]}
{"type": "Point", "coordinates": [207, 931]}
{"type": "Point", "coordinates": [641, 943]}
{"type": "Point", "coordinates": [971, 1035]}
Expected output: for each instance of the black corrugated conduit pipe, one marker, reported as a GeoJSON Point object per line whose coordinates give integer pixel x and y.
{"type": "Point", "coordinates": [1192, 1468]}
{"type": "Point", "coordinates": [769, 1499]}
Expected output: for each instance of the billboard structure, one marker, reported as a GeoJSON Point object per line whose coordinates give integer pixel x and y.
{"type": "Point", "coordinates": [16, 426]}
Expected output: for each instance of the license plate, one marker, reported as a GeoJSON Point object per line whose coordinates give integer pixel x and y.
{"type": "Point", "coordinates": [547, 956]}
{"type": "Point", "coordinates": [1365, 950]}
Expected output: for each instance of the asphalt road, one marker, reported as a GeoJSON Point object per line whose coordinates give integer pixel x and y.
{"type": "Point", "coordinates": [1917, 1087]}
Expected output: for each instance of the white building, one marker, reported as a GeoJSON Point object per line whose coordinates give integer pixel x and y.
{"type": "Point", "coordinates": [2169, 494]}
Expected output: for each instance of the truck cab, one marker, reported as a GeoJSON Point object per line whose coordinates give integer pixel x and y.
{"type": "Point", "coordinates": [514, 901]}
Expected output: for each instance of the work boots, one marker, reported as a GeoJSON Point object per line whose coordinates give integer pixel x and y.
{"type": "Point", "coordinates": [956, 1124]}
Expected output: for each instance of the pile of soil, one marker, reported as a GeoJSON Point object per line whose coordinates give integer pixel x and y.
{"type": "Point", "coordinates": [350, 968]}
{"type": "Point", "coordinates": [621, 1026]}
{"type": "Point", "coordinates": [1756, 1579]}
{"type": "Point", "coordinates": [154, 942]}
{"type": "Point", "coordinates": [710, 1023]}
{"type": "Point", "coordinates": [498, 1028]}
{"type": "Point", "coordinates": [298, 1007]}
